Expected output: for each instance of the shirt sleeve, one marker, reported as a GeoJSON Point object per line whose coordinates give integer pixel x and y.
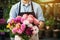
{"type": "Point", "coordinates": [12, 13]}
{"type": "Point", "coordinates": [40, 14]}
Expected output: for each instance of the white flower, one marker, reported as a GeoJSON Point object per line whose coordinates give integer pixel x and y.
{"type": "Point", "coordinates": [30, 25]}
{"type": "Point", "coordinates": [26, 22]}
{"type": "Point", "coordinates": [35, 30]}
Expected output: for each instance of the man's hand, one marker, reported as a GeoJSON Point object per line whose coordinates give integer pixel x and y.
{"type": "Point", "coordinates": [41, 25]}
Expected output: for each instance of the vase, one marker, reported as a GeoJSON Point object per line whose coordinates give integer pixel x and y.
{"type": "Point", "coordinates": [17, 37]}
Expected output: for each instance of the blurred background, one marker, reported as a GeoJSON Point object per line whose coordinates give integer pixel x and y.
{"type": "Point", "coordinates": [51, 11]}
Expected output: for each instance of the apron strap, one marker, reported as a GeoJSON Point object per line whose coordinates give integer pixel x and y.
{"type": "Point", "coordinates": [20, 7]}
{"type": "Point", "coordinates": [32, 7]}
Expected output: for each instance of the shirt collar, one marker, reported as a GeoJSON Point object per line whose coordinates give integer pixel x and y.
{"type": "Point", "coordinates": [25, 4]}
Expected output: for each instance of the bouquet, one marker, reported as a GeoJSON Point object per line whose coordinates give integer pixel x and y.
{"type": "Point", "coordinates": [24, 26]}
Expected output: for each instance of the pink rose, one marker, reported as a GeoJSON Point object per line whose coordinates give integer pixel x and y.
{"type": "Point", "coordinates": [24, 17]}
{"type": "Point", "coordinates": [14, 30]}
{"type": "Point", "coordinates": [18, 19]}
{"type": "Point", "coordinates": [23, 26]}
{"type": "Point", "coordinates": [18, 25]}
{"type": "Point", "coordinates": [30, 18]}
{"type": "Point", "coordinates": [19, 31]}
{"type": "Point", "coordinates": [36, 22]}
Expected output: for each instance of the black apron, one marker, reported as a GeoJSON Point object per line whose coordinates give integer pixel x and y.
{"type": "Point", "coordinates": [22, 13]}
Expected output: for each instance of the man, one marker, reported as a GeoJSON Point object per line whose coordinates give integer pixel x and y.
{"type": "Point", "coordinates": [29, 7]}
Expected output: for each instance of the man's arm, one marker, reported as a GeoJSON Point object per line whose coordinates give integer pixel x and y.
{"type": "Point", "coordinates": [12, 13]}
{"type": "Point", "coordinates": [40, 17]}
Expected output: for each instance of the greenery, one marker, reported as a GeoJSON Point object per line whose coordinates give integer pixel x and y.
{"type": "Point", "coordinates": [50, 21]}
{"type": "Point", "coordinates": [2, 26]}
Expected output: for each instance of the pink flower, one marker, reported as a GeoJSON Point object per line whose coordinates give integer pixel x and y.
{"type": "Point", "coordinates": [23, 26]}
{"type": "Point", "coordinates": [2, 33]}
{"type": "Point", "coordinates": [24, 17]}
{"type": "Point", "coordinates": [18, 19]}
{"type": "Point", "coordinates": [30, 18]}
{"type": "Point", "coordinates": [36, 22]}
{"type": "Point", "coordinates": [2, 21]}
{"type": "Point", "coordinates": [18, 25]}
{"type": "Point", "coordinates": [19, 31]}
{"type": "Point", "coordinates": [29, 31]}
{"type": "Point", "coordinates": [35, 30]}
{"type": "Point", "coordinates": [12, 21]}
{"type": "Point", "coordinates": [14, 30]}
